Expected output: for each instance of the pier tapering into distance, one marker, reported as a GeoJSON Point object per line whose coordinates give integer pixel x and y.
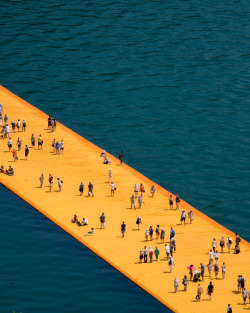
{"type": "Point", "coordinates": [82, 162]}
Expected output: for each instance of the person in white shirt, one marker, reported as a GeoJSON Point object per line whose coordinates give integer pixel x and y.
{"type": "Point", "coordinates": [110, 175]}
{"type": "Point", "coordinates": [229, 243]}
{"type": "Point", "coordinates": [176, 284]}
{"type": "Point", "coordinates": [214, 244]}
{"type": "Point", "coordinates": [223, 270]}
{"type": "Point", "coordinates": [59, 184]}
{"type": "Point", "coordinates": [136, 189]}
{"type": "Point", "coordinates": [244, 295]}
{"type": "Point", "coordinates": [211, 256]}
{"type": "Point", "coordinates": [7, 130]}
{"type": "Point", "coordinates": [216, 256]}
{"type": "Point", "coordinates": [112, 185]}
{"type": "Point", "coordinates": [61, 145]}
{"type": "Point", "coordinates": [167, 248]}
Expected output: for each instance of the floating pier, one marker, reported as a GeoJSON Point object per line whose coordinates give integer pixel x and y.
{"type": "Point", "coordinates": [82, 162]}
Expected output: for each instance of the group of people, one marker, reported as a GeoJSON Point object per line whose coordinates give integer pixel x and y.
{"type": "Point", "coordinates": [76, 220]}
{"type": "Point", "coordinates": [58, 147]}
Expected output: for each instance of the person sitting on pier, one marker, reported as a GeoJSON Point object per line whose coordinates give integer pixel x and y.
{"type": "Point", "coordinates": [106, 160]}
{"type": "Point", "coordinates": [75, 219]}
{"type": "Point", "coordinates": [237, 249]}
{"type": "Point", "coordinates": [103, 153]}
{"type": "Point", "coordinates": [10, 171]}
{"type": "Point", "coordinates": [91, 232]}
{"type": "Point", "coordinates": [2, 169]}
{"type": "Point", "coordinates": [84, 222]}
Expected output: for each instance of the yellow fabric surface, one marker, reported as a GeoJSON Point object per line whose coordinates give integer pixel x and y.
{"type": "Point", "coordinates": [82, 162]}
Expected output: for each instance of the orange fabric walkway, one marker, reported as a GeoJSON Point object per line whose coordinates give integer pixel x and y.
{"type": "Point", "coordinates": [82, 162]}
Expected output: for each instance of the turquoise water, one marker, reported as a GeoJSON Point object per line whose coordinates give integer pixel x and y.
{"type": "Point", "coordinates": [167, 83]}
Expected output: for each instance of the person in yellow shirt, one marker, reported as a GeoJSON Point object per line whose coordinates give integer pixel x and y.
{"type": "Point", "coordinates": [40, 142]}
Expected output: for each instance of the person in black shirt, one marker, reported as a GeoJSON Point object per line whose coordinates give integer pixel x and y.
{"type": "Point", "coordinates": [90, 186]}
{"type": "Point", "coordinates": [49, 122]}
{"type": "Point", "coordinates": [123, 228]}
{"type": "Point", "coordinates": [121, 158]}
{"type": "Point", "coordinates": [210, 290]}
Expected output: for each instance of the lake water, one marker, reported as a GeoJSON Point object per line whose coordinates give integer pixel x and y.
{"type": "Point", "coordinates": [167, 83]}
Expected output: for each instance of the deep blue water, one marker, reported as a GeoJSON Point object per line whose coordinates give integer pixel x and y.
{"type": "Point", "coordinates": [168, 83]}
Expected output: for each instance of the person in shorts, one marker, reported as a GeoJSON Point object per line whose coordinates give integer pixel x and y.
{"type": "Point", "coordinates": [40, 142]}
{"type": "Point", "coordinates": [183, 217]}
{"type": "Point", "coordinates": [61, 145]}
{"type": "Point", "coordinates": [81, 188]}
{"type": "Point", "coordinates": [199, 292]}
{"type": "Point", "coordinates": [123, 229]}
{"type": "Point", "coordinates": [102, 221]}
{"type": "Point", "coordinates": [171, 202]}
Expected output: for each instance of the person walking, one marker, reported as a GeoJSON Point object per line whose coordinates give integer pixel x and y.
{"type": "Point", "coordinates": [9, 144]}
{"type": "Point", "coordinates": [142, 189]}
{"type": "Point", "coordinates": [183, 216]}
{"type": "Point", "coordinates": [172, 233]}
{"type": "Point", "coordinates": [50, 182]}
{"type": "Point", "coordinates": [152, 190]}
{"type": "Point", "coordinates": [19, 144]}
{"type": "Point", "coordinates": [229, 309]}
{"type": "Point", "coordinates": [157, 231]}
{"type": "Point", "coordinates": [223, 270]}
{"type": "Point", "coordinates": [140, 256]}
{"type": "Point", "coordinates": [132, 200]}
{"type": "Point", "coordinates": [157, 252]}
{"type": "Point", "coordinates": [216, 256]}
{"type": "Point", "coordinates": [245, 295]}
{"type": "Point", "coordinates": [216, 270]}
{"type": "Point", "coordinates": [102, 221]}
{"type": "Point", "coordinates": [18, 125]}
{"type": "Point", "coordinates": [26, 152]}
{"type": "Point", "coordinates": [57, 147]}
{"type": "Point", "coordinates": [210, 290]}
{"type": "Point", "coordinates": [199, 292]}
{"type": "Point", "coordinates": [136, 190]}
{"type": "Point", "coordinates": [138, 222]}
{"type": "Point", "coordinates": [214, 244]}
{"type": "Point", "coordinates": [40, 142]}
{"type": "Point", "coordinates": [167, 248]}
{"type": "Point", "coordinates": [177, 201]}
{"type": "Point", "coordinates": [170, 264]}
{"type": "Point", "coordinates": [222, 244]}
{"type": "Point", "coordinates": [123, 229]}
{"type": "Point", "coordinates": [15, 157]}
{"type": "Point", "coordinates": [13, 126]}
{"type": "Point", "coordinates": [145, 254]}
{"type": "Point", "coordinates": [162, 235]}
{"type": "Point", "coordinates": [41, 178]}
{"type": "Point", "coordinates": [81, 188]}
{"type": "Point", "coordinates": [90, 188]}
{"type": "Point", "coordinates": [7, 130]}
{"type": "Point", "coordinates": [146, 234]}
{"type": "Point", "coordinates": [151, 253]}
{"type": "Point", "coordinates": [140, 201]}
{"type": "Point", "coordinates": [176, 285]}
{"type": "Point", "coordinates": [112, 186]}
{"type": "Point", "coordinates": [191, 216]}
{"type": "Point", "coordinates": [151, 232]}
{"type": "Point", "coordinates": [185, 282]}
{"type": "Point", "coordinates": [210, 269]}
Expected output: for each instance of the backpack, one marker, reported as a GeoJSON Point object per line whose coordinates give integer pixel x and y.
{"type": "Point", "coordinates": [170, 262]}
{"type": "Point", "coordinates": [230, 310]}
{"type": "Point", "coordinates": [230, 241]}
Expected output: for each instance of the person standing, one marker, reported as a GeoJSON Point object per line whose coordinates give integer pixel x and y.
{"type": "Point", "coordinates": [132, 199]}
{"type": "Point", "coordinates": [138, 222]}
{"type": "Point", "coordinates": [60, 182]}
{"type": "Point", "coordinates": [121, 158]}
{"type": "Point", "coordinates": [214, 245]}
{"type": "Point", "coordinates": [142, 189]}
{"type": "Point", "coordinates": [136, 189]}
{"type": "Point", "coordinates": [172, 233]}
{"type": "Point", "coordinates": [7, 130]}
{"type": "Point", "coordinates": [185, 282]}
{"type": "Point", "coordinates": [211, 256]}
{"type": "Point", "coordinates": [23, 125]}
{"type": "Point", "coordinates": [40, 142]}
{"type": "Point", "coordinates": [146, 234]}
{"type": "Point", "coordinates": [242, 282]}
{"type": "Point", "coordinates": [112, 186]}
{"type": "Point", "coordinates": [229, 309]}
{"type": "Point", "coordinates": [157, 231]}
{"type": "Point", "coordinates": [50, 182]}
{"type": "Point", "coordinates": [26, 152]}
{"type": "Point", "coordinates": [81, 189]}
{"type": "Point", "coordinates": [13, 125]}
{"type": "Point", "coordinates": [176, 284]}
{"type": "Point", "coordinates": [140, 256]}
{"type": "Point", "coordinates": [18, 125]}
{"type": "Point", "coordinates": [102, 221]}
{"type": "Point", "coordinates": [216, 270]}
{"type": "Point", "coordinates": [151, 232]}
{"type": "Point", "coordinates": [202, 267]}
{"type": "Point", "coordinates": [167, 248]}
{"type": "Point", "coordinates": [191, 216]}
{"type": "Point", "coordinates": [177, 201]}
{"type": "Point", "coordinates": [162, 235]}
{"type": "Point", "coordinates": [110, 175]}
{"type": "Point", "coordinates": [49, 122]}
{"type": "Point", "coordinates": [90, 187]}
{"type": "Point", "coordinates": [216, 256]}
{"type": "Point", "coordinates": [33, 140]}
{"type": "Point", "coordinates": [140, 201]}
{"type": "Point", "coordinates": [123, 229]}
{"type": "Point", "coordinates": [210, 290]}
{"type": "Point", "coordinates": [157, 252]}
{"type": "Point", "coordinates": [210, 269]}
{"type": "Point", "coordinates": [41, 181]}
{"type": "Point", "coordinates": [229, 243]}
{"type": "Point", "coordinates": [61, 145]}
{"type": "Point", "coordinates": [57, 148]}
{"type": "Point", "coordinates": [171, 202]}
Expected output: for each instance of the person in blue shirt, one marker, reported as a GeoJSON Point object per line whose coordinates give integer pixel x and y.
{"type": "Point", "coordinates": [172, 233]}
{"type": "Point", "coordinates": [229, 309]}
{"type": "Point", "coordinates": [57, 147]}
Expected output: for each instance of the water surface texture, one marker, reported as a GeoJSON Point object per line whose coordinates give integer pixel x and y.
{"type": "Point", "coordinates": [167, 83]}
